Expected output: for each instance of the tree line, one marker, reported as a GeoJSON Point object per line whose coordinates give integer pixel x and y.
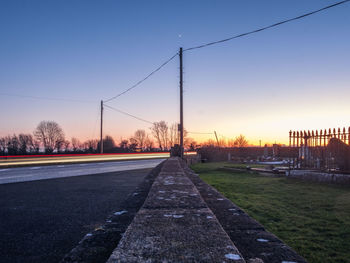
{"type": "Point", "coordinates": [48, 137]}
{"type": "Point", "coordinates": [239, 141]}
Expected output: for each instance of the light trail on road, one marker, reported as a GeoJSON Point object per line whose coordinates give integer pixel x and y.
{"type": "Point", "coordinates": [59, 159]}
{"type": "Point", "coordinates": [24, 174]}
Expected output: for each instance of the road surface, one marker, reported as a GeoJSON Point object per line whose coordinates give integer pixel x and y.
{"type": "Point", "coordinates": [23, 174]}
{"type": "Point", "coordinates": [41, 221]}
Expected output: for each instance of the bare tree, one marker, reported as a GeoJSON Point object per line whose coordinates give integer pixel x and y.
{"type": "Point", "coordinates": [13, 146]}
{"type": "Point", "coordinates": [140, 137]}
{"type": "Point", "coordinates": [231, 143]}
{"type": "Point", "coordinates": [190, 144]}
{"type": "Point", "coordinates": [76, 144]}
{"type": "Point", "coordinates": [187, 140]}
{"type": "Point", "coordinates": [209, 142]}
{"type": "Point", "coordinates": [35, 145]}
{"type": "Point", "coordinates": [50, 134]}
{"type": "Point", "coordinates": [156, 133]}
{"type": "Point", "coordinates": [163, 130]}
{"type": "Point", "coordinates": [2, 145]}
{"type": "Point", "coordinates": [133, 143]}
{"type": "Point", "coordinates": [25, 143]}
{"type": "Point", "coordinates": [174, 136]}
{"type": "Point", "coordinates": [222, 142]}
{"type": "Point", "coordinates": [108, 143]}
{"type": "Point", "coordinates": [241, 141]}
{"type": "Point", "coordinates": [124, 144]}
{"type": "Point", "coordinates": [66, 145]}
{"type": "Point", "coordinates": [91, 145]}
{"type": "Point", "coordinates": [149, 143]}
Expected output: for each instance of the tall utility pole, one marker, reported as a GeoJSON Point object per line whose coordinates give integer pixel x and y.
{"type": "Point", "coordinates": [101, 133]}
{"type": "Point", "coordinates": [181, 107]}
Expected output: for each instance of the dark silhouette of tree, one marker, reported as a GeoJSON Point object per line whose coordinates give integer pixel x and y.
{"type": "Point", "coordinates": [140, 137]}
{"type": "Point", "coordinates": [66, 145]}
{"type": "Point", "coordinates": [50, 134]}
{"type": "Point", "coordinates": [190, 144]}
{"type": "Point", "coordinates": [108, 143]}
{"type": "Point", "coordinates": [76, 144]}
{"type": "Point", "coordinates": [133, 143]}
{"type": "Point", "coordinates": [124, 144]}
{"type": "Point", "coordinates": [2, 146]}
{"type": "Point", "coordinates": [36, 145]}
{"type": "Point", "coordinates": [149, 144]}
{"type": "Point", "coordinates": [163, 129]}
{"type": "Point", "coordinates": [26, 143]}
{"type": "Point", "coordinates": [210, 143]}
{"type": "Point", "coordinates": [13, 146]}
{"type": "Point", "coordinates": [240, 141]}
{"type": "Point", "coordinates": [174, 135]}
{"type": "Point", "coordinates": [156, 132]}
{"type": "Point", "coordinates": [91, 145]}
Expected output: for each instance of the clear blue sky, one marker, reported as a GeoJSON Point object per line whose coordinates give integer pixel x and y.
{"type": "Point", "coordinates": [295, 76]}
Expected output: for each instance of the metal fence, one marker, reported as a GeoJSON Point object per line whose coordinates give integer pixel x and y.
{"type": "Point", "coordinates": [326, 150]}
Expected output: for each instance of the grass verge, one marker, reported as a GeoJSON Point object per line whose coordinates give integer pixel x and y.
{"type": "Point", "coordinates": [312, 218]}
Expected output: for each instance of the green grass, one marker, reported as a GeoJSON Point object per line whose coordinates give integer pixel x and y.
{"type": "Point", "coordinates": [312, 218]}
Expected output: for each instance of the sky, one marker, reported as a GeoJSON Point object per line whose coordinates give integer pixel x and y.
{"type": "Point", "coordinates": [70, 55]}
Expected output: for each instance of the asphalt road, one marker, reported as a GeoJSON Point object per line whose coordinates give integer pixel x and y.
{"type": "Point", "coordinates": [23, 174]}
{"type": "Point", "coordinates": [41, 221]}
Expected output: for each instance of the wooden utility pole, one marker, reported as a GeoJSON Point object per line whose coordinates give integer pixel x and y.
{"type": "Point", "coordinates": [101, 131]}
{"type": "Point", "coordinates": [181, 107]}
{"type": "Point", "coordinates": [217, 140]}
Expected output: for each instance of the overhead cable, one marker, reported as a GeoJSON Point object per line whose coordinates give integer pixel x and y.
{"type": "Point", "coordinates": [142, 80]}
{"type": "Point", "coordinates": [267, 27]}
{"type": "Point", "coordinates": [128, 114]}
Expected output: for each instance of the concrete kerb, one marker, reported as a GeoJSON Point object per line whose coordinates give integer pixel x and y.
{"type": "Point", "coordinates": [181, 229]}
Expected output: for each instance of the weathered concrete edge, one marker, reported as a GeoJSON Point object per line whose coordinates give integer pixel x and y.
{"type": "Point", "coordinates": [97, 246]}
{"type": "Point", "coordinates": [249, 236]}
{"type": "Point", "coordinates": [133, 227]}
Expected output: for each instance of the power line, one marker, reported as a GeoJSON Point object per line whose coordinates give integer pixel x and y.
{"type": "Point", "coordinates": [267, 27]}
{"type": "Point", "coordinates": [141, 119]}
{"type": "Point", "coordinates": [46, 98]}
{"type": "Point", "coordinates": [142, 80]}
{"type": "Point", "coordinates": [128, 114]}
